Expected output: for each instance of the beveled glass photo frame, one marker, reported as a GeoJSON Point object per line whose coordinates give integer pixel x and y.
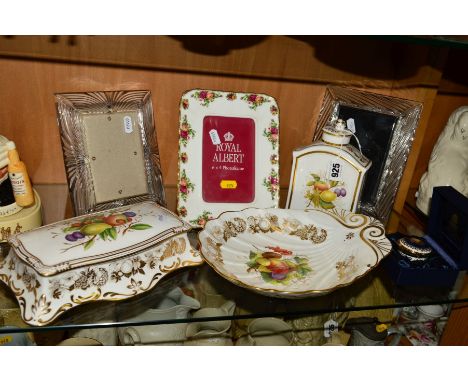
{"type": "Point", "coordinates": [110, 149]}
{"type": "Point", "coordinates": [385, 127]}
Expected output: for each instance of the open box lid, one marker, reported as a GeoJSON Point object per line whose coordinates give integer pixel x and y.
{"type": "Point", "coordinates": [96, 238]}
{"type": "Point", "coordinates": [448, 224]}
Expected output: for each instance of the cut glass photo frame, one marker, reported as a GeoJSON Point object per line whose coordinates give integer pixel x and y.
{"type": "Point", "coordinates": [385, 128]}
{"type": "Point", "coordinates": [110, 149]}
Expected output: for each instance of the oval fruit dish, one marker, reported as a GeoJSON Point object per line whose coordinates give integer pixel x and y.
{"type": "Point", "coordinates": [293, 253]}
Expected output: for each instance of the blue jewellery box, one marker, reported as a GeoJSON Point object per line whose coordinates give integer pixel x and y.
{"type": "Point", "coordinates": [447, 236]}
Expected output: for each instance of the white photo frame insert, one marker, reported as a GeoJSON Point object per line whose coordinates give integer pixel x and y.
{"type": "Point", "coordinates": [228, 153]}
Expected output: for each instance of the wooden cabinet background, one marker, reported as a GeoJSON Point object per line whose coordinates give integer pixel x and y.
{"type": "Point", "coordinates": [294, 70]}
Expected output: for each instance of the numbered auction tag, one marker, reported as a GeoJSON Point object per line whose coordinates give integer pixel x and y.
{"type": "Point", "coordinates": [330, 327]}
{"type": "Point", "coordinates": [351, 126]}
{"type": "Point", "coordinates": [335, 170]}
{"type": "Point", "coordinates": [128, 125]}
{"type": "Point", "coordinates": [214, 137]}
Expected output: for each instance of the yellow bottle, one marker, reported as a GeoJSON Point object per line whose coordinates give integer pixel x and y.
{"type": "Point", "coordinates": [24, 195]}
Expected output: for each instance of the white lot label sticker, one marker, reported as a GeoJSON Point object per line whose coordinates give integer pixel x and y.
{"type": "Point", "coordinates": [128, 125]}
{"type": "Point", "coordinates": [330, 327]}
{"type": "Point", "coordinates": [214, 137]}
{"type": "Point", "coordinates": [351, 126]}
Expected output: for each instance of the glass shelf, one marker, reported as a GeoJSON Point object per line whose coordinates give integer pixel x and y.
{"type": "Point", "coordinates": [211, 290]}
{"type": "Point", "coordinates": [446, 41]}
{"type": "Point", "coordinates": [372, 296]}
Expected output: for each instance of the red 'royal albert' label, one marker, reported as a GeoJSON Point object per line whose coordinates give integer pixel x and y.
{"type": "Point", "coordinates": [228, 160]}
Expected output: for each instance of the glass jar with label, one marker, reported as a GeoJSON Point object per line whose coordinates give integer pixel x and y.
{"type": "Point", "coordinates": [329, 173]}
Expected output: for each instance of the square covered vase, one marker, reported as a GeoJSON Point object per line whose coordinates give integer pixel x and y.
{"type": "Point", "coordinates": [110, 255]}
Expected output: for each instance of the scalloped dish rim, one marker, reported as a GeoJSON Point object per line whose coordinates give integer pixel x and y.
{"type": "Point", "coordinates": [271, 292]}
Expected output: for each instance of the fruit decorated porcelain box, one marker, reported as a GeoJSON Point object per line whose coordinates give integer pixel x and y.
{"type": "Point", "coordinates": [437, 258]}
{"type": "Point", "coordinates": [109, 255]}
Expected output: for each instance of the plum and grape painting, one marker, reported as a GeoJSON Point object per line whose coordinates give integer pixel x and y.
{"type": "Point", "coordinates": [101, 227]}
{"type": "Point", "coordinates": [278, 266]}
{"type": "Point", "coordinates": [322, 192]}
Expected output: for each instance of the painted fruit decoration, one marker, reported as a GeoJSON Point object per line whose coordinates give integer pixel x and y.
{"type": "Point", "coordinates": [278, 266]}
{"type": "Point", "coordinates": [102, 227]}
{"type": "Point", "coordinates": [323, 192]}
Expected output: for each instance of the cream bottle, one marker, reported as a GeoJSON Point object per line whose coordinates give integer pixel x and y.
{"type": "Point", "coordinates": [19, 178]}
{"type": "Point", "coordinates": [329, 173]}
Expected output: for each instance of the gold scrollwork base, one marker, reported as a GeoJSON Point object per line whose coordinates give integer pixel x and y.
{"type": "Point", "coordinates": [43, 299]}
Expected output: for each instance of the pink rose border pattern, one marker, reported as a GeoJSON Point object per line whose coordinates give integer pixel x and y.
{"type": "Point", "coordinates": [205, 98]}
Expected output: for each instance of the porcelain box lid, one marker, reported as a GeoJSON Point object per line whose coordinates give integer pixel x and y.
{"type": "Point", "coordinates": [96, 238]}
{"type": "Point", "coordinates": [447, 230]}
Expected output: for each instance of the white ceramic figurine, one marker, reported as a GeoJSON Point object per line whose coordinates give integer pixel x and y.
{"type": "Point", "coordinates": [448, 165]}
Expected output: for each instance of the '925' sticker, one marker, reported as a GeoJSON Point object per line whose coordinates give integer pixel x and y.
{"type": "Point", "coordinates": [335, 170]}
